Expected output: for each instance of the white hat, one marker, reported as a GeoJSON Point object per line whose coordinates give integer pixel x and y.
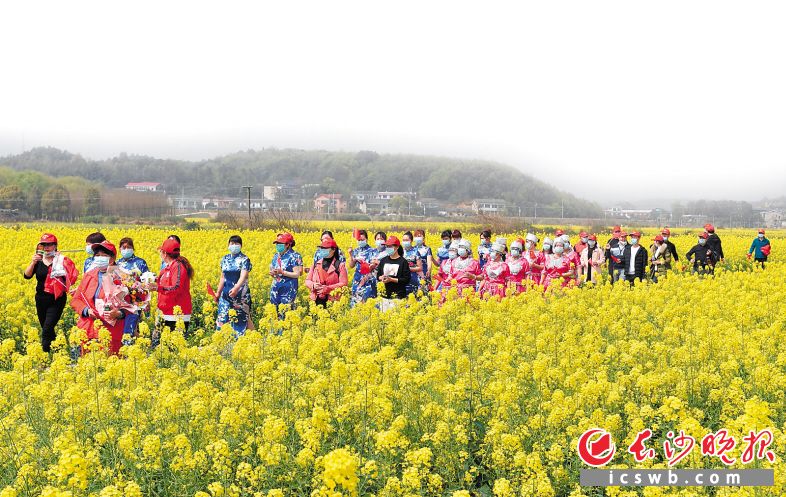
{"type": "Point", "coordinates": [502, 240]}
{"type": "Point", "coordinates": [516, 244]}
{"type": "Point", "coordinates": [453, 246]}
{"type": "Point", "coordinates": [566, 239]}
{"type": "Point", "coordinates": [532, 238]}
{"type": "Point", "coordinates": [498, 247]}
{"type": "Point", "coordinates": [465, 243]}
{"type": "Point", "coordinates": [547, 241]}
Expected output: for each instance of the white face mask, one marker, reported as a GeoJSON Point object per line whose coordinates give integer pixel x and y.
{"type": "Point", "coordinates": [761, 235]}
{"type": "Point", "coordinates": [528, 245]}
{"type": "Point", "coordinates": [515, 252]}
{"type": "Point", "coordinates": [462, 252]}
{"type": "Point", "coordinates": [584, 240]}
{"type": "Point", "coordinates": [702, 241]}
{"type": "Point", "coordinates": [665, 238]}
{"type": "Point", "coordinates": [591, 243]}
{"type": "Point", "coordinates": [101, 261]}
{"type": "Point", "coordinates": [558, 250]}
{"type": "Point", "coordinates": [546, 246]}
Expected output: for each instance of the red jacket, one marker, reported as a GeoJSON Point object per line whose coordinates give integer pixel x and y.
{"type": "Point", "coordinates": [174, 288]}
{"type": "Point", "coordinates": [332, 279]}
{"type": "Point", "coordinates": [84, 297]}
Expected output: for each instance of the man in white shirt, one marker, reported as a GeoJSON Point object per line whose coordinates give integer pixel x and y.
{"type": "Point", "coordinates": [634, 259]}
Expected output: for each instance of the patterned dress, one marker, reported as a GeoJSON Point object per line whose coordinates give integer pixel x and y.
{"type": "Point", "coordinates": [496, 278]}
{"type": "Point", "coordinates": [132, 263]}
{"type": "Point", "coordinates": [519, 271]}
{"type": "Point", "coordinates": [231, 267]}
{"type": "Point", "coordinates": [284, 290]}
{"type": "Point", "coordinates": [413, 259]}
{"type": "Point", "coordinates": [364, 286]}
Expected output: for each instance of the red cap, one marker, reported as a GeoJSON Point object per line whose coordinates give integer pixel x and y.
{"type": "Point", "coordinates": [559, 233]}
{"type": "Point", "coordinates": [658, 238]}
{"type": "Point", "coordinates": [329, 243]}
{"type": "Point", "coordinates": [107, 245]}
{"type": "Point", "coordinates": [48, 238]}
{"type": "Point", "coordinates": [169, 246]}
{"type": "Point", "coordinates": [704, 235]}
{"type": "Point", "coordinates": [636, 234]}
{"type": "Point", "coordinates": [582, 234]}
{"type": "Point", "coordinates": [616, 229]}
{"type": "Point", "coordinates": [284, 238]}
{"type": "Point", "coordinates": [392, 240]}
{"type": "Point", "coordinates": [761, 230]}
{"type": "Point", "coordinates": [710, 228]}
{"type": "Point", "coordinates": [622, 234]}
{"type": "Point", "coordinates": [593, 238]}
{"type": "Point", "coordinates": [665, 232]}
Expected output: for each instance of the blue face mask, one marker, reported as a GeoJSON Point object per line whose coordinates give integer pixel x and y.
{"type": "Point", "coordinates": [89, 249]}
{"type": "Point", "coordinates": [234, 248]}
{"type": "Point", "coordinates": [101, 261]}
{"type": "Point", "coordinates": [418, 241]}
{"type": "Point", "coordinates": [406, 244]}
{"type": "Point", "coordinates": [380, 243]}
{"type": "Point", "coordinates": [362, 243]}
{"type": "Point", "coordinates": [452, 254]}
{"type": "Point", "coordinates": [127, 253]}
{"type": "Point", "coordinates": [446, 243]}
{"type": "Point", "coordinates": [634, 241]}
{"type": "Point", "coordinates": [390, 250]}
{"type": "Point", "coordinates": [322, 253]}
{"type": "Point", "coordinates": [761, 235]}
{"type": "Point", "coordinates": [280, 248]}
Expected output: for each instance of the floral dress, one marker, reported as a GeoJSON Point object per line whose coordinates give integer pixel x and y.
{"type": "Point", "coordinates": [412, 257]}
{"type": "Point", "coordinates": [519, 271]}
{"type": "Point", "coordinates": [284, 290]}
{"type": "Point", "coordinates": [132, 263]}
{"type": "Point", "coordinates": [496, 278]}
{"type": "Point", "coordinates": [231, 267]}
{"type": "Point", "coordinates": [364, 286]}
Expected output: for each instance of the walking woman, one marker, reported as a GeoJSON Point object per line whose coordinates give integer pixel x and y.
{"type": "Point", "coordinates": [660, 260]}
{"type": "Point", "coordinates": [760, 248]}
{"type": "Point", "coordinates": [393, 271]}
{"type": "Point", "coordinates": [285, 268]}
{"type": "Point", "coordinates": [363, 260]}
{"type": "Point", "coordinates": [174, 288]}
{"type": "Point", "coordinates": [233, 290]}
{"type": "Point", "coordinates": [534, 257]}
{"type": "Point", "coordinates": [327, 274]}
{"type": "Point", "coordinates": [93, 300]}
{"type": "Point", "coordinates": [55, 274]}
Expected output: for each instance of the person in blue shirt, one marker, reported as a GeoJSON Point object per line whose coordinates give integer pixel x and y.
{"type": "Point", "coordinates": [426, 258]}
{"type": "Point", "coordinates": [484, 249]}
{"type": "Point", "coordinates": [413, 259]}
{"type": "Point", "coordinates": [442, 252]}
{"type": "Point", "coordinates": [92, 239]}
{"type": "Point", "coordinates": [233, 291]}
{"type": "Point", "coordinates": [285, 268]}
{"type": "Point", "coordinates": [364, 260]}
{"type": "Point", "coordinates": [758, 250]}
{"type": "Point", "coordinates": [128, 259]}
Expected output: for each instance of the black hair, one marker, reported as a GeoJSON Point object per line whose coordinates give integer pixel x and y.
{"type": "Point", "coordinates": [485, 234]}
{"type": "Point", "coordinates": [446, 234]}
{"type": "Point", "coordinates": [103, 250]}
{"type": "Point", "coordinates": [327, 232]}
{"type": "Point", "coordinates": [175, 238]}
{"type": "Point", "coordinates": [409, 234]}
{"type": "Point", "coordinates": [126, 241]}
{"type": "Point", "coordinates": [380, 233]}
{"type": "Point", "coordinates": [96, 237]}
{"type": "Point", "coordinates": [456, 234]}
{"type": "Point", "coordinates": [364, 233]}
{"type": "Point", "coordinates": [236, 239]}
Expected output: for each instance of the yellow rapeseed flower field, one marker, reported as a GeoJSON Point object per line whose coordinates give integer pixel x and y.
{"type": "Point", "coordinates": [473, 397]}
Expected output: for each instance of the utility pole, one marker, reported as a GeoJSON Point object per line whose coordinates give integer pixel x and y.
{"type": "Point", "coordinates": [563, 209]}
{"type": "Point", "coordinates": [248, 197]}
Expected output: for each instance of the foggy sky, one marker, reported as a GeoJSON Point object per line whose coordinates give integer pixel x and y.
{"type": "Point", "coordinates": [607, 100]}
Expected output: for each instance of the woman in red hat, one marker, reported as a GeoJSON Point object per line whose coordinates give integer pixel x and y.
{"type": "Point", "coordinates": [591, 260]}
{"type": "Point", "coordinates": [327, 274]}
{"type": "Point", "coordinates": [285, 268]}
{"type": "Point", "coordinates": [55, 274]}
{"type": "Point", "coordinates": [393, 271]}
{"type": "Point", "coordinates": [702, 256]}
{"type": "Point", "coordinates": [174, 288]}
{"type": "Point", "coordinates": [760, 248]}
{"type": "Point", "coordinates": [660, 260]}
{"type": "Point", "coordinates": [93, 300]}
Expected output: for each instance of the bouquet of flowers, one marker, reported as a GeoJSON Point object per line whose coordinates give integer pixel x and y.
{"type": "Point", "coordinates": [125, 290]}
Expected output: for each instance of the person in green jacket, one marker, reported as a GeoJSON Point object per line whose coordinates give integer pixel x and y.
{"type": "Point", "coordinates": [760, 248]}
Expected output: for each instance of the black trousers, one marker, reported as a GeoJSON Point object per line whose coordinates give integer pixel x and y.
{"type": "Point", "coordinates": [49, 311]}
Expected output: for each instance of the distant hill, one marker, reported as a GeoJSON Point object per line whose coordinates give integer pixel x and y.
{"type": "Point", "coordinates": [446, 179]}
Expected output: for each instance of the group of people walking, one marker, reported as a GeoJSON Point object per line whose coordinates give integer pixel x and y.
{"type": "Point", "coordinates": [115, 289]}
